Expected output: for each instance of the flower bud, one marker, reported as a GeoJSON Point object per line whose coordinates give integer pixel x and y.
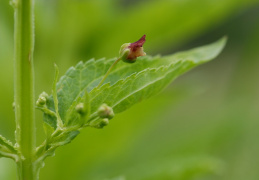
{"type": "Point", "coordinates": [44, 94]}
{"type": "Point", "coordinates": [13, 3]}
{"type": "Point", "coordinates": [130, 51]}
{"type": "Point", "coordinates": [41, 101]}
{"type": "Point", "coordinates": [100, 123]}
{"type": "Point", "coordinates": [105, 111]}
{"type": "Point", "coordinates": [103, 122]}
{"type": "Point", "coordinates": [81, 109]}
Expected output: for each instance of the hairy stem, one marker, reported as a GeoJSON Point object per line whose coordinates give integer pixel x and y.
{"type": "Point", "coordinates": [24, 87]}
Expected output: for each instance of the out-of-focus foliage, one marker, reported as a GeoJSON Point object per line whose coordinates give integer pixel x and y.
{"type": "Point", "coordinates": [210, 115]}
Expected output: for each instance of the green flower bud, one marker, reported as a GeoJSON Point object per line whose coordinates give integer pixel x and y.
{"type": "Point", "coordinates": [41, 101]}
{"type": "Point", "coordinates": [80, 108]}
{"type": "Point", "coordinates": [44, 94]}
{"type": "Point", "coordinates": [100, 123]}
{"type": "Point", "coordinates": [130, 51]}
{"type": "Point", "coordinates": [103, 122]}
{"type": "Point", "coordinates": [13, 3]}
{"type": "Point", "coordinates": [105, 111]}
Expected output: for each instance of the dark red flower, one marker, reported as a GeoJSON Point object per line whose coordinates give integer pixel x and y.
{"type": "Point", "coordinates": [130, 51]}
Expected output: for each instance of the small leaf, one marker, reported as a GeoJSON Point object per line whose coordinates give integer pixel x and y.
{"type": "Point", "coordinates": [74, 118]}
{"type": "Point", "coordinates": [7, 149]}
{"type": "Point", "coordinates": [55, 97]}
{"type": "Point", "coordinates": [48, 129]}
{"type": "Point", "coordinates": [126, 84]}
{"type": "Point", "coordinates": [58, 138]}
{"type": "Point", "coordinates": [63, 138]}
{"type": "Point", "coordinates": [69, 117]}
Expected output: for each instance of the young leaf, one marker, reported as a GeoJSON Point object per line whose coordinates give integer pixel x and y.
{"type": "Point", "coordinates": [126, 84]}
{"type": "Point", "coordinates": [58, 138]}
{"type": "Point", "coordinates": [64, 105]}
{"type": "Point", "coordinates": [7, 149]}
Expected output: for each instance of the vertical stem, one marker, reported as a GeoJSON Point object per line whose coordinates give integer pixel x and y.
{"type": "Point", "coordinates": [24, 87]}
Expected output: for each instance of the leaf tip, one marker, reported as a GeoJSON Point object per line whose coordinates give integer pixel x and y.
{"type": "Point", "coordinates": [223, 41]}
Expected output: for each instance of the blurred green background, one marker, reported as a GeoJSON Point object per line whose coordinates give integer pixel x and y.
{"type": "Point", "coordinates": [203, 127]}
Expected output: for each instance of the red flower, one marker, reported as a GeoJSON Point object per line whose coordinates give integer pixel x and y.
{"type": "Point", "coordinates": [130, 51]}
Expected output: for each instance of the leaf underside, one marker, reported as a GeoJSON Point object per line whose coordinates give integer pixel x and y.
{"type": "Point", "coordinates": [126, 85]}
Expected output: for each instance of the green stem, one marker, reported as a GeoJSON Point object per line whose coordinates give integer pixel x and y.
{"type": "Point", "coordinates": [24, 88]}
{"type": "Point", "coordinates": [108, 72]}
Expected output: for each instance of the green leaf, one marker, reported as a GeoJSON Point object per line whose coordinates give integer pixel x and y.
{"type": "Point", "coordinates": [66, 103]}
{"type": "Point", "coordinates": [63, 138]}
{"type": "Point", "coordinates": [48, 129]}
{"type": "Point", "coordinates": [7, 149]}
{"type": "Point", "coordinates": [148, 82]}
{"type": "Point", "coordinates": [73, 118]}
{"type": "Point", "coordinates": [58, 138]}
{"type": "Point", "coordinates": [55, 98]}
{"type": "Point", "coordinates": [127, 84]}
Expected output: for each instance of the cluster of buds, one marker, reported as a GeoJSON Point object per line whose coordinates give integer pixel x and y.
{"type": "Point", "coordinates": [130, 51]}
{"type": "Point", "coordinates": [106, 113]}
{"type": "Point", "coordinates": [42, 99]}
